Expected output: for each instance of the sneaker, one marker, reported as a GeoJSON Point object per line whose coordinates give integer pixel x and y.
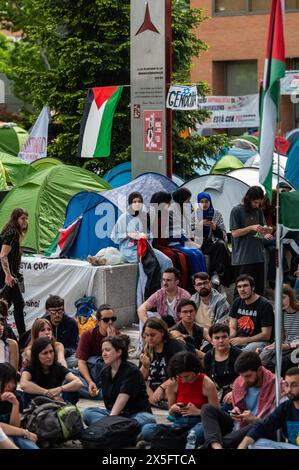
{"type": "Point", "coordinates": [215, 279]}
{"type": "Point", "coordinates": [143, 445]}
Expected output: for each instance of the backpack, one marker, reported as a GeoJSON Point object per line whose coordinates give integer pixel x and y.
{"type": "Point", "coordinates": [110, 432]}
{"type": "Point", "coordinates": [53, 421]}
{"type": "Point", "coordinates": [169, 437]}
{"type": "Point", "coordinates": [84, 317]}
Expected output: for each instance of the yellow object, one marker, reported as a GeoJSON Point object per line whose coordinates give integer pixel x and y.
{"type": "Point", "coordinates": [85, 323]}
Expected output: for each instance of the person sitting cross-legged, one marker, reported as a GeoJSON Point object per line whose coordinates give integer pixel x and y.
{"type": "Point", "coordinates": [123, 386]}
{"type": "Point", "coordinates": [253, 398]}
{"type": "Point", "coordinates": [285, 418]}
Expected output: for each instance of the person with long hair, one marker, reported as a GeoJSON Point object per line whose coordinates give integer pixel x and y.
{"type": "Point", "coordinates": [9, 350]}
{"type": "Point", "coordinates": [159, 347]}
{"type": "Point", "coordinates": [10, 417]}
{"type": "Point", "coordinates": [187, 392]}
{"type": "Point", "coordinates": [248, 228]}
{"type": "Point", "coordinates": [180, 229]}
{"type": "Point", "coordinates": [11, 280]}
{"type": "Point", "coordinates": [45, 376]}
{"type": "Point", "coordinates": [123, 386]}
{"type": "Point", "coordinates": [42, 327]}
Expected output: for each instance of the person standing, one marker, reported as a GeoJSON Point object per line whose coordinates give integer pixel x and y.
{"type": "Point", "coordinates": [248, 229]}
{"type": "Point", "coordinates": [12, 235]}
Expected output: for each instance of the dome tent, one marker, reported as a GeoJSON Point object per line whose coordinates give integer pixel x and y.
{"type": "Point", "coordinates": [250, 176]}
{"type": "Point", "coordinates": [225, 164]}
{"type": "Point", "coordinates": [45, 195]}
{"type": "Point", "coordinates": [226, 192]}
{"type": "Point", "coordinates": [15, 169]}
{"type": "Point", "coordinates": [12, 138]}
{"type": "Point", "coordinates": [45, 162]}
{"type": "Point", "coordinates": [100, 212]}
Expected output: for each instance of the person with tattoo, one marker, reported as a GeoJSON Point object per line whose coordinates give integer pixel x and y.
{"type": "Point", "coordinates": [11, 236]}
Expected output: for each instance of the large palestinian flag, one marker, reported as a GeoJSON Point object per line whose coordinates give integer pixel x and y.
{"type": "Point", "coordinates": [96, 125]}
{"type": "Point", "coordinates": [64, 240]}
{"type": "Point", "coordinates": [273, 72]}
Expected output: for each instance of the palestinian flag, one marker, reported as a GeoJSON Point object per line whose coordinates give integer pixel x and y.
{"type": "Point", "coordinates": [273, 72]}
{"type": "Point", "coordinates": [64, 240]}
{"type": "Point", "coordinates": [149, 269]}
{"type": "Point", "coordinates": [288, 211]}
{"type": "Point", "coordinates": [96, 124]}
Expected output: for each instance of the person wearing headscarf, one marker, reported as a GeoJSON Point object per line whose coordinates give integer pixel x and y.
{"type": "Point", "coordinates": [211, 234]}
{"type": "Point", "coordinates": [180, 229]}
{"type": "Point", "coordinates": [133, 225]}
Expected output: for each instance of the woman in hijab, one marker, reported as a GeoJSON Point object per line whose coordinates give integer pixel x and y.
{"type": "Point", "coordinates": [180, 229]}
{"type": "Point", "coordinates": [133, 225]}
{"type": "Point", "coordinates": [213, 239]}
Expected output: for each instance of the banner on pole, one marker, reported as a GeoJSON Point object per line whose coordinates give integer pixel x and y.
{"type": "Point", "coordinates": [36, 145]}
{"type": "Point", "coordinates": [230, 111]}
{"type": "Point", "coordinates": [182, 98]}
{"type": "Point", "coordinates": [289, 84]}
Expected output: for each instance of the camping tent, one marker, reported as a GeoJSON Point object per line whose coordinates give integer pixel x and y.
{"type": "Point", "coordinates": [100, 212]}
{"type": "Point", "coordinates": [15, 169]}
{"type": "Point", "coordinates": [45, 195]}
{"type": "Point", "coordinates": [226, 192]}
{"type": "Point", "coordinates": [12, 138]}
{"type": "Point", "coordinates": [250, 176]}
{"type": "Point", "coordinates": [255, 162]}
{"type": "Point", "coordinates": [46, 162]}
{"type": "Point", "coordinates": [292, 166]}
{"type": "Point", "coordinates": [225, 164]}
{"type": "Point", "coordinates": [209, 162]}
{"type": "Point", "coordinates": [292, 136]}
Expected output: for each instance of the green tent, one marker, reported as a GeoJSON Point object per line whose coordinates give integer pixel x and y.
{"type": "Point", "coordinates": [46, 162]}
{"type": "Point", "coordinates": [45, 195]}
{"type": "Point", "coordinates": [15, 169]}
{"type": "Point", "coordinates": [3, 184]}
{"type": "Point", "coordinates": [12, 138]}
{"type": "Point", "coordinates": [225, 164]}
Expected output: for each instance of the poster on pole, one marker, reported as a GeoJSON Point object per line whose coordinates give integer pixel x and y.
{"type": "Point", "coordinates": [182, 98]}
{"type": "Point", "coordinates": [148, 86]}
{"type": "Point", "coordinates": [230, 111]}
{"type": "Point", "coordinates": [36, 145]}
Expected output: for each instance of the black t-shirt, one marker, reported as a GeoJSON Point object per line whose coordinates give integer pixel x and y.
{"type": "Point", "coordinates": [52, 380]}
{"type": "Point", "coordinates": [158, 367]}
{"type": "Point", "coordinates": [197, 333]}
{"type": "Point", "coordinates": [12, 238]}
{"type": "Point", "coordinates": [129, 380]}
{"type": "Point", "coordinates": [5, 411]}
{"type": "Point", "coordinates": [251, 318]}
{"type": "Point", "coordinates": [222, 372]}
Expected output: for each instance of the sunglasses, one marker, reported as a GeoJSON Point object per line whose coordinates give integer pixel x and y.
{"type": "Point", "coordinates": [107, 319]}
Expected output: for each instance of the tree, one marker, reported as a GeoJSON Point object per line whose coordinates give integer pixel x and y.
{"type": "Point", "coordinates": [71, 45]}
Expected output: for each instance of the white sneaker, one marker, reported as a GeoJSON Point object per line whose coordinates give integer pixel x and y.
{"type": "Point", "coordinates": [215, 279]}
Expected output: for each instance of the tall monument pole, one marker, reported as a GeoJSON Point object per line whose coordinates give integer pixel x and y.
{"type": "Point", "coordinates": [150, 75]}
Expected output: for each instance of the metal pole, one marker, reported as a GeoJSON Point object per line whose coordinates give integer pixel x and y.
{"type": "Point", "coordinates": [168, 36]}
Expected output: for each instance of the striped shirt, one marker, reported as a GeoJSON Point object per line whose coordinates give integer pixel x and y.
{"type": "Point", "coordinates": [291, 326]}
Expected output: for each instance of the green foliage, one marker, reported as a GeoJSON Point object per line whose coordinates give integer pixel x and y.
{"type": "Point", "coordinates": [71, 45]}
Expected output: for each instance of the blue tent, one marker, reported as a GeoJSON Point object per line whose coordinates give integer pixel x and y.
{"type": "Point", "coordinates": [291, 172]}
{"type": "Point", "coordinates": [119, 175]}
{"type": "Point", "coordinates": [122, 174]}
{"type": "Point", "coordinates": [101, 210]}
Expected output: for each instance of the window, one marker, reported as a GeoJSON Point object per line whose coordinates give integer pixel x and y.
{"type": "Point", "coordinates": [243, 7]}
{"type": "Point", "coordinates": [241, 77]}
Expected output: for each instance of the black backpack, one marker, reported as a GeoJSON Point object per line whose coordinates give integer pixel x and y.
{"type": "Point", "coordinates": [53, 421]}
{"type": "Point", "coordinates": [110, 432]}
{"type": "Point", "coordinates": [169, 437]}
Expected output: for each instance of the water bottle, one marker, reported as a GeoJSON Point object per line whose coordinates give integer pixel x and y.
{"type": "Point", "coordinates": [191, 440]}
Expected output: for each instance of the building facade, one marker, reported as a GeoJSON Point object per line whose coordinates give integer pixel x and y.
{"type": "Point", "coordinates": [236, 33]}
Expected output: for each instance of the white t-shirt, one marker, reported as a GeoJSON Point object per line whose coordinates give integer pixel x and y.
{"type": "Point", "coordinates": [170, 307]}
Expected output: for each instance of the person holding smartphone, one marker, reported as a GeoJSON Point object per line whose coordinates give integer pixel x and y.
{"type": "Point", "coordinates": [211, 231]}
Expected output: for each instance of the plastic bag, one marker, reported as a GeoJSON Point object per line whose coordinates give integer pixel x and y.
{"type": "Point", "coordinates": [106, 256]}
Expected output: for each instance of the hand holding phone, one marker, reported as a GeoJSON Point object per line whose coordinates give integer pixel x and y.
{"type": "Point", "coordinates": [181, 405]}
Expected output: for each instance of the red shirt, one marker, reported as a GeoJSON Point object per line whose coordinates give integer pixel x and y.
{"type": "Point", "coordinates": [90, 344]}
{"type": "Point", "coordinates": [192, 392]}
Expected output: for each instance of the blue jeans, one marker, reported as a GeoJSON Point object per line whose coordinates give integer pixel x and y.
{"type": "Point", "coordinates": [268, 444]}
{"type": "Point", "coordinates": [191, 422]}
{"type": "Point", "coordinates": [23, 443]}
{"type": "Point", "coordinates": [91, 415]}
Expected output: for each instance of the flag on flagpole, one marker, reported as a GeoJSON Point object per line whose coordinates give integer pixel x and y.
{"type": "Point", "coordinates": [36, 145]}
{"type": "Point", "coordinates": [64, 240]}
{"type": "Point", "coordinates": [274, 70]}
{"type": "Point", "coordinates": [96, 124]}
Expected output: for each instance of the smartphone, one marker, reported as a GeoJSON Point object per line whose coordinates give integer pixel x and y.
{"type": "Point", "coordinates": [233, 413]}
{"type": "Point", "coordinates": [181, 405]}
{"type": "Point", "coordinates": [209, 218]}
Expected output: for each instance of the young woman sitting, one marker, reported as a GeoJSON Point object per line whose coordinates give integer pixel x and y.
{"type": "Point", "coordinates": [40, 328]}
{"type": "Point", "coordinates": [10, 417]}
{"type": "Point", "coordinates": [45, 376]}
{"type": "Point", "coordinates": [123, 386]}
